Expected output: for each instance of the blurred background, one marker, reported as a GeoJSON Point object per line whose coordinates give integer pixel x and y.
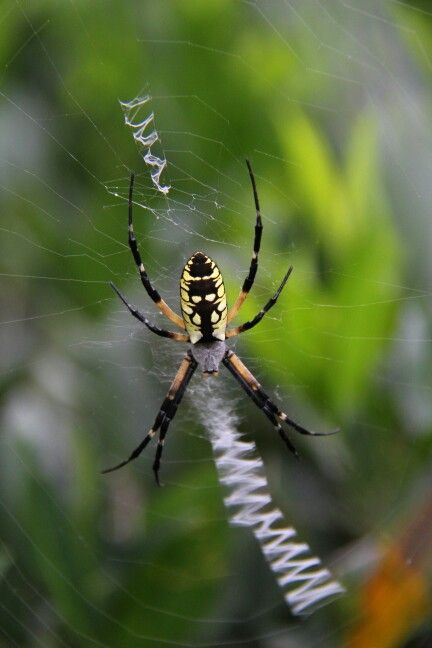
{"type": "Point", "coordinates": [330, 101]}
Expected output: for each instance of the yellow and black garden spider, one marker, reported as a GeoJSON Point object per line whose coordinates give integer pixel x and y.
{"type": "Point", "coordinates": [205, 317]}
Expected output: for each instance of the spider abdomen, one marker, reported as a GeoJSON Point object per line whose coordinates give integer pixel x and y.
{"type": "Point", "coordinates": [203, 299]}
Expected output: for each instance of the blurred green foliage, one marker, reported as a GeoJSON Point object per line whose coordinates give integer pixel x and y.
{"type": "Point", "coordinates": [322, 100]}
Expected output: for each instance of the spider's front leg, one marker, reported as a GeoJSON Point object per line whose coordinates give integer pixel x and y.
{"type": "Point", "coordinates": [248, 282]}
{"type": "Point", "coordinates": [254, 390]}
{"type": "Point", "coordinates": [165, 415]}
{"type": "Point", "coordinates": [151, 290]}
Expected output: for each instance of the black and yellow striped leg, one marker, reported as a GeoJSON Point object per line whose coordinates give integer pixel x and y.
{"type": "Point", "coordinates": [248, 282]}
{"type": "Point", "coordinates": [252, 387]}
{"type": "Point", "coordinates": [170, 411]}
{"type": "Point", "coordinates": [165, 414]}
{"type": "Point", "coordinates": [152, 292]}
{"type": "Point", "coordinates": [262, 404]}
{"type": "Point", "coordinates": [253, 322]}
{"type": "Point", "coordinates": [178, 337]}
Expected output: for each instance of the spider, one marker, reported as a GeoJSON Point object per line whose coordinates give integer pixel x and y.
{"type": "Point", "coordinates": [204, 320]}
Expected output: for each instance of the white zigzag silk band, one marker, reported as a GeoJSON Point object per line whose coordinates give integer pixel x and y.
{"type": "Point", "coordinates": [305, 582]}
{"type": "Point", "coordinates": [131, 110]}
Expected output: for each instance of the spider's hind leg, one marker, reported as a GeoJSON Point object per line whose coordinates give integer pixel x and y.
{"type": "Point", "coordinates": [171, 403]}
{"type": "Point", "coordinates": [264, 406]}
{"type": "Point", "coordinates": [253, 389]}
{"type": "Point", "coordinates": [164, 416]}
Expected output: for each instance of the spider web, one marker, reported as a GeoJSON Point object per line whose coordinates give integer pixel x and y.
{"type": "Point", "coordinates": [87, 560]}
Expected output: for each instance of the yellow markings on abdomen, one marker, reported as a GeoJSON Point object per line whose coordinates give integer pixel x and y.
{"type": "Point", "coordinates": [202, 299]}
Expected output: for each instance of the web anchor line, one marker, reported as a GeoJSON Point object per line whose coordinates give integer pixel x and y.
{"type": "Point", "coordinates": [305, 582]}
{"type": "Point", "coordinates": [131, 110]}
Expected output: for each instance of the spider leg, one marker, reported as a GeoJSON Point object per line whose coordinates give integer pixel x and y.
{"type": "Point", "coordinates": [252, 387]}
{"type": "Point", "coordinates": [165, 414]}
{"type": "Point", "coordinates": [151, 290]}
{"type": "Point", "coordinates": [248, 282]}
{"type": "Point", "coordinates": [159, 448]}
{"type": "Point", "coordinates": [178, 393]}
{"type": "Point", "coordinates": [253, 322]}
{"type": "Point", "coordinates": [178, 337]}
{"type": "Point", "coordinates": [266, 410]}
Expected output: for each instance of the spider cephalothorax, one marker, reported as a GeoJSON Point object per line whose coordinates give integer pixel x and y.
{"type": "Point", "coordinates": [205, 318]}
